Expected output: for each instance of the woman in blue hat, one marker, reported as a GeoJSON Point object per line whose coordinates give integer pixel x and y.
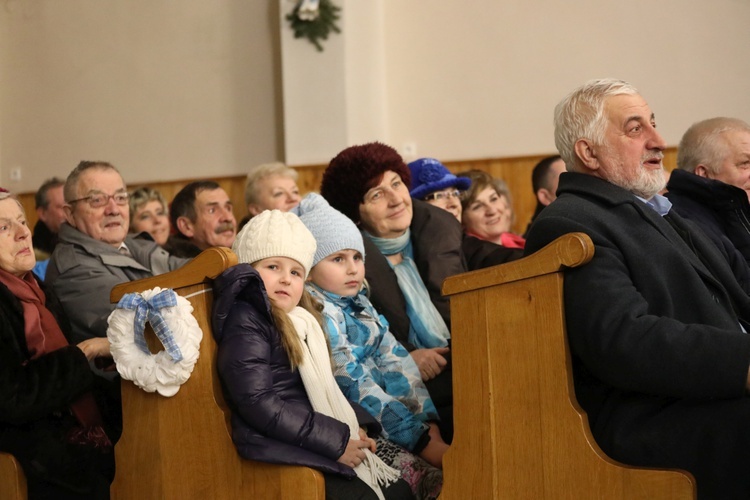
{"type": "Point", "coordinates": [432, 182]}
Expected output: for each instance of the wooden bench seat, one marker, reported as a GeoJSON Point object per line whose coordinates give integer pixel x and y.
{"type": "Point", "coordinates": [181, 447]}
{"type": "Point", "coordinates": [12, 478]}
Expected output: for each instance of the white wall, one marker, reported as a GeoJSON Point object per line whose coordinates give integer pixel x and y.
{"type": "Point", "coordinates": [173, 89]}
{"type": "Point", "coordinates": [480, 79]}
{"type": "Point", "coordinates": [164, 89]}
{"type": "Point", "coordinates": [336, 97]}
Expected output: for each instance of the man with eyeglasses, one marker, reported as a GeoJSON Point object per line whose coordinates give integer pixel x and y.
{"type": "Point", "coordinates": [95, 251]}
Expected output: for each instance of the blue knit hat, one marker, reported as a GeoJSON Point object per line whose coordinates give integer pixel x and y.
{"type": "Point", "coordinates": [333, 231]}
{"type": "Point", "coordinates": [429, 175]}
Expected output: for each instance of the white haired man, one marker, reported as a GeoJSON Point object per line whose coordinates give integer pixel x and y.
{"type": "Point", "coordinates": [656, 321]}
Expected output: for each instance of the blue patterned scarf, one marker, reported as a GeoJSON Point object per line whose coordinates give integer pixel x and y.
{"type": "Point", "coordinates": [358, 323]}
{"type": "Point", "coordinates": [427, 326]}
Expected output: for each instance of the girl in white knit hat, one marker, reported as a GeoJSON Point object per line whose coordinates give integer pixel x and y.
{"type": "Point", "coordinates": [275, 366]}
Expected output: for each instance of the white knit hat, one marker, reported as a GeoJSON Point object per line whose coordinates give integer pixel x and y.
{"type": "Point", "coordinates": [274, 233]}
{"type": "Point", "coordinates": [333, 231]}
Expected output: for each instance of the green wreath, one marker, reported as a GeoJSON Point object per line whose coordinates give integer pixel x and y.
{"type": "Point", "coordinates": [320, 27]}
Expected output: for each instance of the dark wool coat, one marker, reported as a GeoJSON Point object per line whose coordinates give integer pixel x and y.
{"type": "Point", "coordinates": [34, 399]}
{"type": "Point", "coordinates": [480, 253]}
{"type": "Point", "coordinates": [722, 211]}
{"type": "Point", "coordinates": [660, 360]}
{"type": "Point", "coordinates": [272, 418]}
{"type": "Point", "coordinates": [178, 246]}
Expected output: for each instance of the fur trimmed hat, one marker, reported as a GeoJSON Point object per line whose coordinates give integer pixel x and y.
{"type": "Point", "coordinates": [274, 233]}
{"type": "Point", "coordinates": [356, 170]}
{"type": "Point", "coordinates": [333, 231]}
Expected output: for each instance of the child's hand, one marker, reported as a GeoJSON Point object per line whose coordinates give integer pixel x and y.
{"type": "Point", "coordinates": [354, 453]}
{"type": "Point", "coordinates": [364, 437]}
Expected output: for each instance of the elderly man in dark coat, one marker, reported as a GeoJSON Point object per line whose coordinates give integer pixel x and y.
{"type": "Point", "coordinates": [656, 321]}
{"type": "Point", "coordinates": [712, 184]}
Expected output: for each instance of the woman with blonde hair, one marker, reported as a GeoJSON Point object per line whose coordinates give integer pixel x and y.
{"type": "Point", "coordinates": [149, 213]}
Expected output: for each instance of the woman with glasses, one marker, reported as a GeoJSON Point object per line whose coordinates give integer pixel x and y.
{"type": "Point", "coordinates": [432, 182]}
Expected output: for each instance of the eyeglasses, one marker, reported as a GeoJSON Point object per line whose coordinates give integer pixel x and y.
{"type": "Point", "coordinates": [443, 195]}
{"type": "Point", "coordinates": [99, 200]}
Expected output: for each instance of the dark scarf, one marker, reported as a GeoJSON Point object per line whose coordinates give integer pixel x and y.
{"type": "Point", "coordinates": [43, 335]}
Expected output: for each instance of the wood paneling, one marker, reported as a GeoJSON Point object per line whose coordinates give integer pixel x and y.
{"type": "Point", "coordinates": [516, 172]}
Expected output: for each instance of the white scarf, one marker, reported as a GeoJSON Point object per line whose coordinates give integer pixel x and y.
{"type": "Point", "coordinates": [326, 396]}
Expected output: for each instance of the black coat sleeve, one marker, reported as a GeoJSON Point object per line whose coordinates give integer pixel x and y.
{"type": "Point", "coordinates": [244, 364]}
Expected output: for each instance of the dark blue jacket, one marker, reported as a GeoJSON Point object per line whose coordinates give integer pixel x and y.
{"type": "Point", "coordinates": [722, 211]}
{"type": "Point", "coordinates": [272, 419]}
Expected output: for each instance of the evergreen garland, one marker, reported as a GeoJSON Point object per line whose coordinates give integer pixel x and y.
{"type": "Point", "coordinates": [319, 28]}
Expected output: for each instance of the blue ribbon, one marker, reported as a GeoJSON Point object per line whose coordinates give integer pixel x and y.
{"type": "Point", "coordinates": [149, 310]}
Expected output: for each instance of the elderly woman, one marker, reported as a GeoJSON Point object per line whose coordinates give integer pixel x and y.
{"type": "Point", "coordinates": [149, 213]}
{"type": "Point", "coordinates": [411, 248]}
{"type": "Point", "coordinates": [49, 419]}
{"type": "Point", "coordinates": [270, 186]}
{"type": "Point", "coordinates": [431, 181]}
{"type": "Point", "coordinates": [488, 210]}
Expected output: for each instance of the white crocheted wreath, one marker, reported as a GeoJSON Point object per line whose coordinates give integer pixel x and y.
{"type": "Point", "coordinates": [179, 332]}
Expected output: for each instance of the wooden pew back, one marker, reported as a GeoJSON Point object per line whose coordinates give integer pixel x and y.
{"type": "Point", "coordinates": [12, 478]}
{"type": "Point", "coordinates": [181, 447]}
{"type": "Point", "coordinates": [519, 431]}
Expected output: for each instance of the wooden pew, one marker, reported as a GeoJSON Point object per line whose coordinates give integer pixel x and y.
{"type": "Point", "coordinates": [12, 479]}
{"type": "Point", "coordinates": [180, 447]}
{"type": "Point", "coordinates": [519, 431]}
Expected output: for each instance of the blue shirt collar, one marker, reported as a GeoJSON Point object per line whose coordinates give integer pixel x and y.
{"type": "Point", "coordinates": [659, 203]}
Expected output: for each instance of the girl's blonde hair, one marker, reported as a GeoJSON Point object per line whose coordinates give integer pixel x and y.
{"type": "Point", "coordinates": [289, 338]}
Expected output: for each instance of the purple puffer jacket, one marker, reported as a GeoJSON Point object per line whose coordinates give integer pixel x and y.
{"type": "Point", "coordinates": [272, 419]}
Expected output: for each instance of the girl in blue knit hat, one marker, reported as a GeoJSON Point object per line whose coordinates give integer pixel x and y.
{"type": "Point", "coordinates": [371, 366]}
